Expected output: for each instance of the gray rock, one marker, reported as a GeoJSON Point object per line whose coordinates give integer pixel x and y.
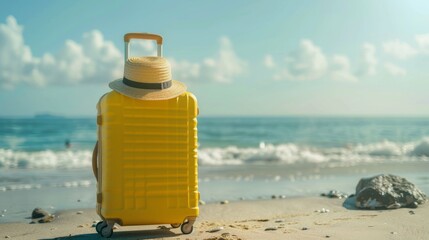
{"type": "Point", "coordinates": [387, 191]}
{"type": "Point", "coordinates": [41, 215]}
{"type": "Point", "coordinates": [334, 194]}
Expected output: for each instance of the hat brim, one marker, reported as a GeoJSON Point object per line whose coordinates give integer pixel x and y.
{"type": "Point", "coordinates": [176, 89]}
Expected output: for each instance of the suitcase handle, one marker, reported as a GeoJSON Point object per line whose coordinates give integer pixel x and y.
{"type": "Point", "coordinates": [94, 161]}
{"type": "Point", "coordinates": [147, 36]}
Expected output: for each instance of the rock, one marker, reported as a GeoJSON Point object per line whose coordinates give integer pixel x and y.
{"type": "Point", "coordinates": [7, 236]}
{"type": "Point", "coordinates": [201, 202]}
{"type": "Point", "coordinates": [334, 194]}
{"type": "Point", "coordinates": [41, 216]}
{"type": "Point", "coordinates": [411, 212]}
{"type": "Point", "coordinates": [216, 229]}
{"type": "Point", "coordinates": [387, 191]}
{"type": "Point", "coordinates": [414, 205]}
{"type": "Point", "coordinates": [304, 228]}
{"type": "Point", "coordinates": [39, 213]}
{"type": "Point", "coordinates": [79, 212]}
{"type": "Point", "coordinates": [271, 229]}
{"type": "Point", "coordinates": [273, 197]}
{"type": "Point", "coordinates": [224, 202]}
{"type": "Point", "coordinates": [323, 210]}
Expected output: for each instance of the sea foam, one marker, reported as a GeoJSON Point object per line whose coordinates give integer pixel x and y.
{"type": "Point", "coordinates": [265, 153]}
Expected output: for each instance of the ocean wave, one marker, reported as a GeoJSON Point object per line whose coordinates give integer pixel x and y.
{"type": "Point", "coordinates": [45, 159]}
{"type": "Point", "coordinates": [293, 153]}
{"type": "Point", "coordinates": [289, 153]}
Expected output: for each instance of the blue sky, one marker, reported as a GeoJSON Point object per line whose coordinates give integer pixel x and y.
{"type": "Point", "coordinates": [239, 57]}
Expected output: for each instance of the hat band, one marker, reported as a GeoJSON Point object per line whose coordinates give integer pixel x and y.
{"type": "Point", "coordinates": [131, 83]}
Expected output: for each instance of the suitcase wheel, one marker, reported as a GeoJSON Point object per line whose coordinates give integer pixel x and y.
{"type": "Point", "coordinates": [99, 226]}
{"type": "Point", "coordinates": [187, 227]}
{"type": "Point", "coordinates": [175, 225]}
{"type": "Point", "coordinates": [104, 229]}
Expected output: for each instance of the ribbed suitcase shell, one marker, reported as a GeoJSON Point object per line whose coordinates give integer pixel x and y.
{"type": "Point", "coordinates": [148, 159]}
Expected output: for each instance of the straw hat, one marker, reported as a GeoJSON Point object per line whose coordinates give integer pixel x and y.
{"type": "Point", "coordinates": [148, 78]}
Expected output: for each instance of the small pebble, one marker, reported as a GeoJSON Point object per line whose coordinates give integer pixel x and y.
{"type": "Point", "coordinates": [79, 212]}
{"type": "Point", "coordinates": [4, 210]}
{"type": "Point", "coordinates": [327, 236]}
{"type": "Point", "coordinates": [95, 221]}
{"type": "Point", "coordinates": [393, 233]}
{"type": "Point", "coordinates": [282, 196]}
{"type": "Point", "coordinates": [7, 236]}
{"type": "Point", "coordinates": [279, 220]}
{"type": "Point", "coordinates": [273, 197]}
{"type": "Point", "coordinates": [224, 202]}
{"type": "Point", "coordinates": [201, 202]}
{"type": "Point", "coordinates": [263, 220]}
{"type": "Point", "coordinates": [216, 229]}
{"type": "Point", "coordinates": [225, 235]}
{"type": "Point", "coordinates": [2, 215]}
{"type": "Point", "coordinates": [304, 228]}
{"type": "Point", "coordinates": [271, 229]}
{"type": "Point", "coordinates": [323, 210]}
{"type": "Point", "coordinates": [80, 226]}
{"type": "Point", "coordinates": [78, 200]}
{"type": "Point", "coordinates": [411, 212]}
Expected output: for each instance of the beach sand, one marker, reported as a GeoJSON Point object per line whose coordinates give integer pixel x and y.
{"type": "Point", "coordinates": [294, 218]}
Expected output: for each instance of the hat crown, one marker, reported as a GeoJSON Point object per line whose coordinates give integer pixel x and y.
{"type": "Point", "coordinates": [147, 69]}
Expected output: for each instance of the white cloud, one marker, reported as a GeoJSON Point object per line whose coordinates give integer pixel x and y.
{"type": "Point", "coordinates": [394, 70]}
{"type": "Point", "coordinates": [306, 63]}
{"type": "Point", "coordinates": [423, 42]}
{"type": "Point", "coordinates": [369, 61]}
{"type": "Point", "coordinates": [341, 70]}
{"type": "Point", "coordinates": [92, 60]}
{"type": "Point", "coordinates": [269, 61]}
{"type": "Point", "coordinates": [16, 60]}
{"type": "Point", "coordinates": [399, 50]}
{"type": "Point", "coordinates": [225, 66]}
{"type": "Point", "coordinates": [142, 48]}
{"type": "Point", "coordinates": [185, 70]}
{"type": "Point", "coordinates": [95, 59]}
{"type": "Point", "coordinates": [309, 62]}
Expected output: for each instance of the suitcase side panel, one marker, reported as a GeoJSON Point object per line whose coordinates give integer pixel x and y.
{"type": "Point", "coordinates": [149, 159]}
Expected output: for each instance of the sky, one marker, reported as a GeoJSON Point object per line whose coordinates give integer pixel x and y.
{"type": "Point", "coordinates": [240, 58]}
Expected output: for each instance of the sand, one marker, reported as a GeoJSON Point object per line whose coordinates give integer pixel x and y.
{"type": "Point", "coordinates": [296, 218]}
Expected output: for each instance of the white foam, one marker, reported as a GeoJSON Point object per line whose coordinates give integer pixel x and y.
{"type": "Point", "coordinates": [265, 153]}
{"type": "Point", "coordinates": [292, 153]}
{"type": "Point", "coordinates": [45, 159]}
{"type": "Point", "coordinates": [421, 149]}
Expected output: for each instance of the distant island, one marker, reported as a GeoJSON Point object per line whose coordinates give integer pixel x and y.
{"type": "Point", "coordinates": [47, 116]}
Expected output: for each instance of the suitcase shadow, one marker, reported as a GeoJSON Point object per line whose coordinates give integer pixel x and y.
{"type": "Point", "coordinates": [127, 235]}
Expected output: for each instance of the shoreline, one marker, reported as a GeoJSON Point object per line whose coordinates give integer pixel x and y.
{"type": "Point", "coordinates": [290, 218]}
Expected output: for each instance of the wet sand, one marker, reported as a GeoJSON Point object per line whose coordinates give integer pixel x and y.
{"type": "Point", "coordinates": [293, 218]}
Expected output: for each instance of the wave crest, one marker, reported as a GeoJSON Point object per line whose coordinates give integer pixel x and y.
{"type": "Point", "coordinates": [264, 154]}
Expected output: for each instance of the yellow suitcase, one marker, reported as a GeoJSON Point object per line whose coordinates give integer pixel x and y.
{"type": "Point", "coordinates": [145, 160]}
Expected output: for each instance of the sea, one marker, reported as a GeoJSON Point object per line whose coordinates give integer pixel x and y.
{"type": "Point", "coordinates": [45, 161]}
